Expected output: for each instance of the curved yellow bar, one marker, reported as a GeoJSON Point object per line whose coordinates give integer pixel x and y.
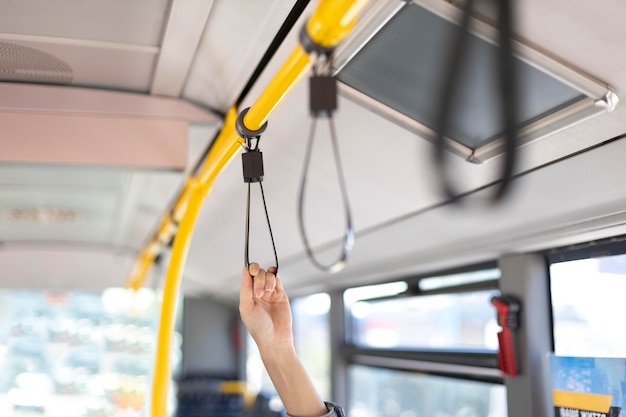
{"type": "Point", "coordinates": [287, 77]}
{"type": "Point", "coordinates": [171, 290]}
{"type": "Point", "coordinates": [140, 271]}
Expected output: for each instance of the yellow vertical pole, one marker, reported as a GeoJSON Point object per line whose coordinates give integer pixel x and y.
{"type": "Point", "coordinates": [171, 291]}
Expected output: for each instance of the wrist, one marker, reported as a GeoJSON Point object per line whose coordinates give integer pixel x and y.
{"type": "Point", "coordinates": [273, 352]}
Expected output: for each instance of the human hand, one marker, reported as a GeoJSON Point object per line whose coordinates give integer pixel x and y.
{"type": "Point", "coordinates": [264, 308]}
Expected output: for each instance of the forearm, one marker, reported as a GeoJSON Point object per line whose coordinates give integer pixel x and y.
{"type": "Point", "coordinates": [290, 379]}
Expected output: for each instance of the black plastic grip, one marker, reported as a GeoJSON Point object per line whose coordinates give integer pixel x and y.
{"type": "Point", "coordinates": [322, 95]}
{"type": "Point", "coordinates": [252, 162]}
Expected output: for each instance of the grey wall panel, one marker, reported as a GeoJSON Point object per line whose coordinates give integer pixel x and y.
{"type": "Point", "coordinates": [207, 336]}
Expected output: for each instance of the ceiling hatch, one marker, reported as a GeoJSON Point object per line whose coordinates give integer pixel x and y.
{"type": "Point", "coordinates": [397, 73]}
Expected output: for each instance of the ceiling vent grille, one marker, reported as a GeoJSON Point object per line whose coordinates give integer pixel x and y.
{"type": "Point", "coordinates": [23, 64]}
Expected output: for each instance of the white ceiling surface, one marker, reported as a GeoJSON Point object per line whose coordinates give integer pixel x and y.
{"type": "Point", "coordinates": [62, 267]}
{"type": "Point", "coordinates": [388, 169]}
{"type": "Point", "coordinates": [237, 35]}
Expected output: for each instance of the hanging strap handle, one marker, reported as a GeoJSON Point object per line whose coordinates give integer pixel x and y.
{"type": "Point", "coordinates": [252, 163]}
{"type": "Point", "coordinates": [269, 226]}
{"type": "Point", "coordinates": [507, 93]}
{"type": "Point", "coordinates": [323, 96]}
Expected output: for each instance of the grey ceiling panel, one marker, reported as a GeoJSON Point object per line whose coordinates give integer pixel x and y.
{"type": "Point", "coordinates": [403, 65]}
{"type": "Point", "coordinates": [134, 22]}
{"type": "Point", "coordinates": [88, 66]}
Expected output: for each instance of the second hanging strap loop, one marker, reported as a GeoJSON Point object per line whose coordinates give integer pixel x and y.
{"type": "Point", "coordinates": [323, 102]}
{"type": "Point", "coordinates": [252, 162]}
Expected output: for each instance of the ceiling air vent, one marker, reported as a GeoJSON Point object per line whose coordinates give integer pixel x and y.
{"type": "Point", "coordinates": [397, 73]}
{"type": "Point", "coordinates": [23, 64]}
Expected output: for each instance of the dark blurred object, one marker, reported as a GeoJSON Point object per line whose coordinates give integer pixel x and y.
{"type": "Point", "coordinates": [508, 93]}
{"type": "Point", "coordinates": [199, 396]}
{"type": "Point", "coordinates": [264, 407]}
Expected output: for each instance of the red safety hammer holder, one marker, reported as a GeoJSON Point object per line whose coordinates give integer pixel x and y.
{"type": "Point", "coordinates": [508, 310]}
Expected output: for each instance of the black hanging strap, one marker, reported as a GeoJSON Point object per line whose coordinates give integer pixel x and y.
{"type": "Point", "coordinates": [323, 102]}
{"type": "Point", "coordinates": [507, 92]}
{"type": "Point", "coordinates": [252, 163]}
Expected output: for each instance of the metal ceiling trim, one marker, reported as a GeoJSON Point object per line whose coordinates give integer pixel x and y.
{"type": "Point", "coordinates": [373, 19]}
{"type": "Point", "coordinates": [531, 54]}
{"type": "Point", "coordinates": [86, 43]}
{"type": "Point", "coordinates": [184, 30]}
{"type": "Point", "coordinates": [569, 116]}
{"type": "Point", "coordinates": [45, 99]}
{"type": "Point", "coordinates": [601, 97]}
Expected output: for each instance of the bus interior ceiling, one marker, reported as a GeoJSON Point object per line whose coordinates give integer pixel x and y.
{"type": "Point", "coordinates": [90, 165]}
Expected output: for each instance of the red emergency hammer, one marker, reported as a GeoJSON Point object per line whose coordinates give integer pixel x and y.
{"type": "Point", "coordinates": [508, 309]}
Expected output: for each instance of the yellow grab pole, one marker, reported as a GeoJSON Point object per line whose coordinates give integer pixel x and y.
{"type": "Point", "coordinates": [171, 289]}
{"type": "Point", "coordinates": [287, 77]}
{"type": "Point", "coordinates": [140, 271]}
{"type": "Point", "coordinates": [331, 21]}
{"type": "Point", "coordinates": [222, 151]}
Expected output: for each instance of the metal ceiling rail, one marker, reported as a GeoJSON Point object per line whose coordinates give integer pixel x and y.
{"type": "Point", "coordinates": [331, 21]}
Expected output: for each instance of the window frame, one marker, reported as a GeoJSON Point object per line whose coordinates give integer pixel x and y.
{"type": "Point", "coordinates": [593, 249]}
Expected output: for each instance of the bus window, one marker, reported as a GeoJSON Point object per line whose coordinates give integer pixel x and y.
{"type": "Point", "coordinates": [312, 338]}
{"type": "Point", "coordinates": [415, 350]}
{"type": "Point", "coordinates": [442, 321]}
{"type": "Point", "coordinates": [588, 305]}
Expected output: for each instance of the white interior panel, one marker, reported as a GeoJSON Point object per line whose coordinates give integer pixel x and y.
{"type": "Point", "coordinates": [136, 21]}
{"type": "Point", "coordinates": [113, 68]}
{"type": "Point", "coordinates": [237, 35]}
{"type": "Point", "coordinates": [65, 268]}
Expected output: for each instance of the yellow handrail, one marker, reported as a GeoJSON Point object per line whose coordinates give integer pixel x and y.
{"type": "Point", "coordinates": [327, 26]}
{"type": "Point", "coordinates": [171, 289]}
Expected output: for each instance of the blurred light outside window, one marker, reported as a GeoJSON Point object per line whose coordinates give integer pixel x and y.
{"type": "Point", "coordinates": [79, 353]}
{"type": "Point", "coordinates": [257, 378]}
{"type": "Point", "coordinates": [455, 321]}
{"type": "Point", "coordinates": [464, 278]}
{"type": "Point", "coordinates": [588, 302]}
{"type": "Point", "coordinates": [376, 392]}
{"type": "Point", "coordinates": [312, 338]}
